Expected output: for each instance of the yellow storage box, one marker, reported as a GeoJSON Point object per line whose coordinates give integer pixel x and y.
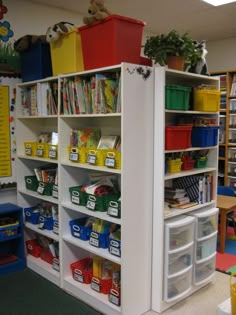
{"type": "Point", "coordinates": [206, 100]}
{"type": "Point", "coordinates": [30, 148]}
{"type": "Point", "coordinates": [66, 53]}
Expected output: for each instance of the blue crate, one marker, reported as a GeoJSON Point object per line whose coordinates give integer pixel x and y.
{"type": "Point", "coordinates": [8, 231]}
{"type": "Point", "coordinates": [32, 215]}
{"type": "Point", "coordinates": [46, 222]}
{"type": "Point", "coordinates": [36, 62]}
{"type": "Point", "coordinates": [100, 240]}
{"type": "Point", "coordinates": [204, 136]}
{"type": "Point", "coordinates": [79, 230]}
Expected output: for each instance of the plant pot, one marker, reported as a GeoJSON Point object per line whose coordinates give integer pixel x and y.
{"type": "Point", "coordinates": [175, 62]}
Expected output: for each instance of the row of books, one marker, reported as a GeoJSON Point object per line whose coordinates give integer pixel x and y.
{"type": "Point", "coordinates": [47, 174]}
{"type": "Point", "coordinates": [95, 95]}
{"type": "Point", "coordinates": [40, 99]}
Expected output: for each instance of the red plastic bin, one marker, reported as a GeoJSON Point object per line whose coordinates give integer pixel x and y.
{"type": "Point", "coordinates": [177, 137]}
{"type": "Point", "coordinates": [111, 41]}
{"type": "Point", "coordinates": [33, 248]}
{"type": "Point", "coordinates": [80, 270]}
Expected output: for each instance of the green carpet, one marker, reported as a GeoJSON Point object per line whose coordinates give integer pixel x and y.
{"type": "Point", "coordinates": [27, 293]}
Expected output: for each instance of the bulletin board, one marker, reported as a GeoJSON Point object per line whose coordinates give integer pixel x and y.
{"type": "Point", "coordinates": [7, 129]}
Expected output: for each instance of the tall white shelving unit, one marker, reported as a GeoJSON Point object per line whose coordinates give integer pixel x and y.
{"type": "Point", "coordinates": [164, 219]}
{"type": "Point", "coordinates": [135, 127]}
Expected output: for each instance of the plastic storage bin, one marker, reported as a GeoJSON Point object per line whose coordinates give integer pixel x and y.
{"type": "Point", "coordinates": [180, 260]}
{"type": "Point", "coordinates": [204, 136]}
{"type": "Point", "coordinates": [36, 62]}
{"type": "Point", "coordinates": [32, 215]}
{"type": "Point", "coordinates": [206, 100]}
{"type": "Point", "coordinates": [31, 183]}
{"type": "Point", "coordinates": [33, 248]}
{"type": "Point", "coordinates": [82, 270]}
{"type": "Point", "coordinates": [100, 240]}
{"type": "Point", "coordinates": [174, 166]}
{"type": "Point", "coordinates": [177, 137]}
{"type": "Point", "coordinates": [177, 97]}
{"type": "Point", "coordinates": [79, 230]}
{"type": "Point", "coordinates": [66, 53]}
{"type": "Point", "coordinates": [121, 38]}
{"type": "Point", "coordinates": [8, 230]}
{"type": "Point", "coordinates": [30, 148]}
{"type": "Point", "coordinates": [204, 270]}
{"type": "Point", "coordinates": [205, 247]}
{"type": "Point", "coordinates": [77, 196]}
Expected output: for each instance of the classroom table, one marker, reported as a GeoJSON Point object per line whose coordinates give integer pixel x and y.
{"type": "Point", "coordinates": [226, 204]}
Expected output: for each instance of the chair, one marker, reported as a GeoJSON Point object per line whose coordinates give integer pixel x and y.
{"type": "Point", "coordinates": [231, 217]}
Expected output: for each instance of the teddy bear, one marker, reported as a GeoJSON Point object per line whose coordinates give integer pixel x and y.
{"type": "Point", "coordinates": [55, 31]}
{"type": "Point", "coordinates": [97, 11]}
{"type": "Point", "coordinates": [25, 42]}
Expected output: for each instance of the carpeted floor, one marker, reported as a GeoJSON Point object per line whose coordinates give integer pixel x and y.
{"type": "Point", "coordinates": [27, 293]}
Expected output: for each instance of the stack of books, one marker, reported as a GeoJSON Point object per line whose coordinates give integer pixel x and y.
{"type": "Point", "coordinates": [177, 198]}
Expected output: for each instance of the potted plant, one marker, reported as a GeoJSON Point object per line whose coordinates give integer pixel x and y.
{"type": "Point", "coordinates": [170, 49]}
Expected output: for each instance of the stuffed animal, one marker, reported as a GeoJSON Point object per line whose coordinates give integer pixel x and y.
{"type": "Point", "coordinates": [54, 32]}
{"type": "Point", "coordinates": [97, 11]}
{"type": "Point", "coordinates": [200, 67]}
{"type": "Point", "coordinates": [25, 42]}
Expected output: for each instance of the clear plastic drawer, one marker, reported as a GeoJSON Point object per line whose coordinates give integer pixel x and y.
{"type": "Point", "coordinates": [207, 223]}
{"type": "Point", "coordinates": [204, 271]}
{"type": "Point", "coordinates": [180, 260]}
{"type": "Point", "coordinates": [179, 286]}
{"type": "Point", "coordinates": [179, 232]}
{"type": "Point", "coordinates": [205, 248]}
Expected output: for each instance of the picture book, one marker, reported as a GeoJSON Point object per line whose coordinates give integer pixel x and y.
{"type": "Point", "coordinates": [107, 142]}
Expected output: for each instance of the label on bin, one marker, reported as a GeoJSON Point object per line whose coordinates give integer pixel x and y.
{"type": "Point", "coordinates": [114, 251]}
{"type": "Point", "coordinates": [53, 153]}
{"type": "Point", "coordinates": [78, 276]}
{"type": "Point", "coordinates": [95, 285]}
{"type": "Point", "coordinates": [110, 162]}
{"type": "Point", "coordinates": [113, 209]}
{"type": "Point", "coordinates": [75, 199]}
{"type": "Point", "coordinates": [91, 159]}
{"type": "Point", "coordinates": [28, 151]}
{"type": "Point", "coordinates": [55, 264]}
{"type": "Point", "coordinates": [39, 152]}
{"type": "Point", "coordinates": [74, 156]}
{"type": "Point", "coordinates": [94, 239]}
{"type": "Point", "coordinates": [114, 298]}
{"type": "Point", "coordinates": [40, 189]}
{"type": "Point", "coordinates": [91, 203]}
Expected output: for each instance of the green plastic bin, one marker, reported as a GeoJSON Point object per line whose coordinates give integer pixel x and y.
{"type": "Point", "coordinates": [31, 183]}
{"type": "Point", "coordinates": [77, 196]}
{"type": "Point", "coordinates": [177, 97]}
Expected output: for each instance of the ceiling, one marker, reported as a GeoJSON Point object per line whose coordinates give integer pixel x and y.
{"type": "Point", "coordinates": [201, 20]}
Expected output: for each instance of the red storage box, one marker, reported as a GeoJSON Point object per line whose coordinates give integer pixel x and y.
{"type": "Point", "coordinates": [101, 285]}
{"type": "Point", "coordinates": [178, 137]}
{"type": "Point", "coordinates": [46, 256]}
{"type": "Point", "coordinates": [33, 248]}
{"type": "Point", "coordinates": [111, 41]}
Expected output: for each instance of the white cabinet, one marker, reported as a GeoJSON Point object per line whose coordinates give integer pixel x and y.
{"type": "Point", "coordinates": [134, 124]}
{"type": "Point", "coordinates": [194, 258]}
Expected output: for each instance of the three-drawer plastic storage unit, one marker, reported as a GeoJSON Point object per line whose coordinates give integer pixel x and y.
{"type": "Point", "coordinates": [179, 254]}
{"type": "Point", "coordinates": [206, 225]}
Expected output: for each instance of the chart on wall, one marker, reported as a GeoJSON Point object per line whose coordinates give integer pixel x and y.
{"type": "Point", "coordinates": [7, 129]}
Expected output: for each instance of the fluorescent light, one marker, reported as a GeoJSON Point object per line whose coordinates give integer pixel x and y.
{"type": "Point", "coordinates": [218, 2]}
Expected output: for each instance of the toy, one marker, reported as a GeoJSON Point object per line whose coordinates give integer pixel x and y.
{"type": "Point", "coordinates": [25, 42]}
{"type": "Point", "coordinates": [200, 67]}
{"type": "Point", "coordinates": [55, 31]}
{"type": "Point", "coordinates": [97, 12]}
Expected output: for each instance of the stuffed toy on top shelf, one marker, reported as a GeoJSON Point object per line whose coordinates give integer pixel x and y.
{"type": "Point", "coordinates": [200, 66]}
{"type": "Point", "coordinates": [25, 42]}
{"type": "Point", "coordinates": [55, 31]}
{"type": "Point", "coordinates": [97, 11]}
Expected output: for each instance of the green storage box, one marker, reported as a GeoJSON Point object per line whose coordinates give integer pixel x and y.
{"type": "Point", "coordinates": [31, 183]}
{"type": "Point", "coordinates": [77, 196]}
{"type": "Point", "coordinates": [177, 97]}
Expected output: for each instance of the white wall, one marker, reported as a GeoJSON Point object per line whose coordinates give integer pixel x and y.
{"type": "Point", "coordinates": [222, 55]}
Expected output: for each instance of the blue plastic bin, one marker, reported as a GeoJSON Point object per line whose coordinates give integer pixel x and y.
{"type": "Point", "coordinates": [100, 240]}
{"type": "Point", "coordinates": [79, 230]}
{"type": "Point", "coordinates": [47, 222]}
{"type": "Point", "coordinates": [36, 62]}
{"type": "Point", "coordinates": [32, 215]}
{"type": "Point", "coordinates": [205, 136]}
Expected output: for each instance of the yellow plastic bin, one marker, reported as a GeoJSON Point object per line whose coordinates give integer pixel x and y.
{"type": "Point", "coordinates": [206, 100]}
{"type": "Point", "coordinates": [30, 148]}
{"type": "Point", "coordinates": [66, 53]}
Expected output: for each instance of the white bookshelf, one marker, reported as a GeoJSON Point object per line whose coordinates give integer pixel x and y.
{"type": "Point", "coordinates": [162, 215]}
{"type": "Point", "coordinates": [135, 127]}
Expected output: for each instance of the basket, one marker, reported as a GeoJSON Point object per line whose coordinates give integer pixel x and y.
{"type": "Point", "coordinates": [9, 230]}
{"type": "Point", "coordinates": [200, 162]}
{"type": "Point", "coordinates": [82, 270]}
{"type": "Point", "coordinates": [45, 188]}
{"type": "Point", "coordinates": [206, 100]}
{"type": "Point", "coordinates": [204, 136]}
{"type": "Point", "coordinates": [96, 203]}
{"type": "Point", "coordinates": [67, 47]}
{"type": "Point", "coordinates": [113, 159]}
{"type": "Point", "coordinates": [101, 285]}
{"type": "Point", "coordinates": [52, 151]}
{"type": "Point", "coordinates": [79, 230]}
{"type": "Point", "coordinates": [30, 148]}
{"type": "Point", "coordinates": [31, 183]}
{"type": "Point", "coordinates": [33, 248]}
{"type": "Point", "coordinates": [174, 166]}
{"type": "Point", "coordinates": [46, 256]}
{"type": "Point", "coordinates": [32, 215]}
{"type": "Point", "coordinates": [188, 164]}
{"type": "Point", "coordinates": [177, 97]}
{"type": "Point", "coordinates": [177, 137]}
{"type": "Point", "coordinates": [77, 154]}
{"type": "Point", "coordinates": [100, 240]}
{"type": "Point", "coordinates": [47, 223]}
{"type": "Point", "coordinates": [77, 196]}
{"type": "Point", "coordinates": [42, 150]}
{"type": "Point", "coordinates": [96, 157]}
